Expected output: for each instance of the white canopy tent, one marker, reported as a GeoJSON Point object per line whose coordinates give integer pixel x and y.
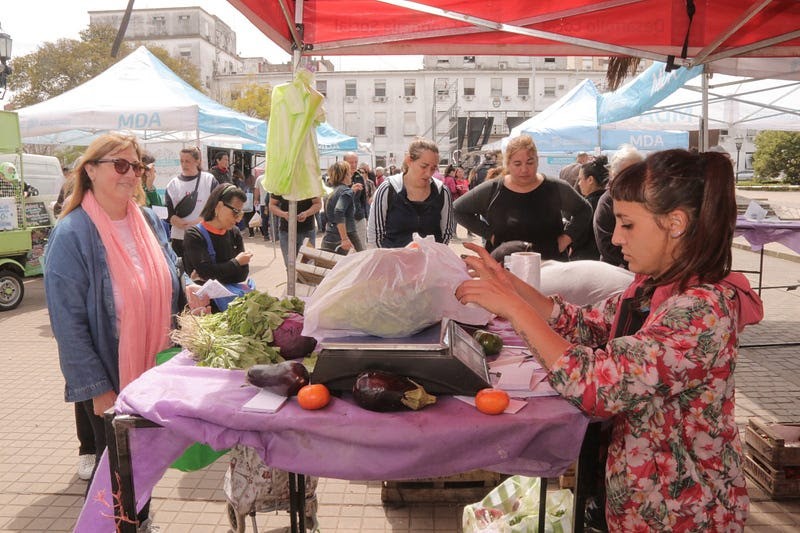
{"type": "Point", "coordinates": [140, 95]}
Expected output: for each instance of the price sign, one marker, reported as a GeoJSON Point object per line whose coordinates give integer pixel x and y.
{"type": "Point", "coordinates": [36, 214]}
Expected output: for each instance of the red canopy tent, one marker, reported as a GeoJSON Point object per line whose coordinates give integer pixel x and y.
{"type": "Point", "coordinates": [654, 29]}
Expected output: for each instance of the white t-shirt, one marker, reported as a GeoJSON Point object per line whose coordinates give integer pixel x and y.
{"type": "Point", "coordinates": [178, 188]}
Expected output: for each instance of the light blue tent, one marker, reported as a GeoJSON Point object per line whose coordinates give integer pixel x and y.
{"type": "Point", "coordinates": [571, 125]}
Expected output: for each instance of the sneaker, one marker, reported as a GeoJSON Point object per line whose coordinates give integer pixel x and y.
{"type": "Point", "coordinates": [85, 466]}
{"type": "Point", "coordinates": [148, 527]}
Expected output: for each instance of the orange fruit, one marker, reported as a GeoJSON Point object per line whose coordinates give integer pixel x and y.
{"type": "Point", "coordinates": [315, 396]}
{"type": "Point", "coordinates": [491, 401]}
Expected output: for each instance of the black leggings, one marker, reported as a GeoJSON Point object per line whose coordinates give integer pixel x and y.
{"type": "Point", "coordinates": [99, 433]}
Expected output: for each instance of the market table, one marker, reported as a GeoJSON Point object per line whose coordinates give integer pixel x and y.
{"type": "Point", "coordinates": [340, 441]}
{"type": "Point", "coordinates": [761, 232]}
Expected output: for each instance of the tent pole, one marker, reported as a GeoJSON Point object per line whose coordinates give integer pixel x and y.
{"type": "Point", "coordinates": [704, 115]}
{"type": "Point", "coordinates": [291, 253]}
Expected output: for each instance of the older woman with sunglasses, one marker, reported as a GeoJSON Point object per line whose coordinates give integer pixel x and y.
{"type": "Point", "coordinates": [110, 281]}
{"type": "Point", "coordinates": [214, 248]}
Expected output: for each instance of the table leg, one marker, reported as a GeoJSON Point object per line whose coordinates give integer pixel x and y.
{"type": "Point", "coordinates": [297, 502]}
{"type": "Point", "coordinates": [585, 473]}
{"type": "Point", "coordinates": [119, 463]}
{"type": "Point", "coordinates": [542, 502]}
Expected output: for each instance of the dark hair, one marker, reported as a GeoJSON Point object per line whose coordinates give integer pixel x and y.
{"type": "Point", "coordinates": [417, 147]}
{"type": "Point", "coordinates": [450, 168]}
{"type": "Point", "coordinates": [193, 151]}
{"type": "Point", "coordinates": [220, 155]}
{"type": "Point", "coordinates": [147, 158]}
{"type": "Point", "coordinates": [222, 193]}
{"type": "Point", "coordinates": [702, 186]}
{"type": "Point", "coordinates": [598, 169]}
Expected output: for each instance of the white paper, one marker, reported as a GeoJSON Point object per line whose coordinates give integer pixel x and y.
{"type": "Point", "coordinates": [160, 211]}
{"type": "Point", "coordinates": [514, 378]}
{"type": "Point", "coordinates": [755, 211]}
{"type": "Point", "coordinates": [513, 405]}
{"type": "Point", "coordinates": [265, 402]}
{"type": "Point", "coordinates": [214, 289]}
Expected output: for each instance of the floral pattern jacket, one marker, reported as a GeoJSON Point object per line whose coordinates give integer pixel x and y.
{"type": "Point", "coordinates": [675, 459]}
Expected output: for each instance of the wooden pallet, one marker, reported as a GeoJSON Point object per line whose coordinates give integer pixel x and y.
{"type": "Point", "coordinates": [468, 487]}
{"type": "Point", "coordinates": [567, 479]}
{"type": "Point", "coordinates": [783, 483]}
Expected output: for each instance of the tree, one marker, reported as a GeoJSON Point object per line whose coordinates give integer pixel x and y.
{"type": "Point", "coordinates": [255, 101]}
{"type": "Point", "coordinates": [777, 154]}
{"type": "Point", "coordinates": [56, 67]}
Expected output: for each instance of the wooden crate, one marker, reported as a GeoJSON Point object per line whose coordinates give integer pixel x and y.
{"type": "Point", "coordinates": [776, 444]}
{"type": "Point", "coordinates": [567, 479]}
{"type": "Point", "coordinates": [312, 265]}
{"type": "Point", "coordinates": [468, 487]}
{"type": "Point", "coordinates": [778, 483]}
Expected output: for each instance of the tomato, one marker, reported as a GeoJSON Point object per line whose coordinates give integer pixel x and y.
{"type": "Point", "coordinates": [491, 401]}
{"type": "Point", "coordinates": [315, 396]}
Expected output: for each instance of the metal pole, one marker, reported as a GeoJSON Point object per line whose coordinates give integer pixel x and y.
{"type": "Point", "coordinates": [704, 118]}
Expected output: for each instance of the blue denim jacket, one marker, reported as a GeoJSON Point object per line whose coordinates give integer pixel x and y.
{"type": "Point", "coordinates": [80, 301]}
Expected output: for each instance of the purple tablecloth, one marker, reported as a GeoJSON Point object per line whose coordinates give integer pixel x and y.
{"type": "Point", "coordinates": [340, 441]}
{"type": "Point", "coordinates": [759, 233]}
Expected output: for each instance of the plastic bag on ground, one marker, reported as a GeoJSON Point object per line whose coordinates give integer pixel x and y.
{"type": "Point", "coordinates": [513, 507]}
{"type": "Point", "coordinates": [391, 293]}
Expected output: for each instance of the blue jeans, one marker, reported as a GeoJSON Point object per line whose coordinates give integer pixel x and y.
{"type": "Point", "coordinates": [283, 238]}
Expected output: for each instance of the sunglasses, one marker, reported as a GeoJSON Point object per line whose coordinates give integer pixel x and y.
{"type": "Point", "coordinates": [123, 165]}
{"type": "Point", "coordinates": [236, 212]}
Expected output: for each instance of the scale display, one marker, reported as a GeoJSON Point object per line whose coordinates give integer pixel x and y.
{"type": "Point", "coordinates": [444, 359]}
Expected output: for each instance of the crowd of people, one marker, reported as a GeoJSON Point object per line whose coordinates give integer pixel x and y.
{"type": "Point", "coordinates": [656, 361]}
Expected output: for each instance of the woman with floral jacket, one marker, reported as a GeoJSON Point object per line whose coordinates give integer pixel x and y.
{"type": "Point", "coordinates": [668, 345]}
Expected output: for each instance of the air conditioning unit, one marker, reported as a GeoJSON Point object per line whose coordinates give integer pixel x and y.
{"type": "Point", "coordinates": [468, 97]}
{"type": "Point", "coordinates": [409, 99]}
{"type": "Point", "coordinates": [380, 99]}
{"type": "Point", "coordinates": [506, 98]}
{"type": "Point", "coordinates": [524, 97]}
{"type": "Point", "coordinates": [502, 65]}
{"type": "Point", "coordinates": [350, 99]}
{"type": "Point", "coordinates": [441, 97]}
{"type": "Point", "coordinates": [560, 87]}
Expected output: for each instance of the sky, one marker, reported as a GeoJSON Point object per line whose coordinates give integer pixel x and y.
{"type": "Point", "coordinates": [33, 22]}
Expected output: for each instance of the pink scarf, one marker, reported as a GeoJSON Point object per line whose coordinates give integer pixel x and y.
{"type": "Point", "coordinates": [145, 317]}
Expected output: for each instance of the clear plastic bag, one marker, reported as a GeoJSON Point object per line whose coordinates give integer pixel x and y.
{"type": "Point", "coordinates": [391, 293]}
{"type": "Point", "coordinates": [513, 507]}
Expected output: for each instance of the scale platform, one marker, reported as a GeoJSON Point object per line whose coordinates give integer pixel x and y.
{"type": "Point", "coordinates": [443, 358]}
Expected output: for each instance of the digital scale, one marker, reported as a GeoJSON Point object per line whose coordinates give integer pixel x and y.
{"type": "Point", "coordinates": [443, 358]}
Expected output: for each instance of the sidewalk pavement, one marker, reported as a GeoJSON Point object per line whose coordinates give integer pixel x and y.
{"type": "Point", "coordinates": [40, 491]}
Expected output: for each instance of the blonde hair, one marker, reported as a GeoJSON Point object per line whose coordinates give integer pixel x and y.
{"type": "Point", "coordinates": [338, 172]}
{"type": "Point", "coordinates": [623, 158]}
{"type": "Point", "coordinates": [102, 146]}
{"type": "Point", "coordinates": [521, 142]}
{"type": "Point", "coordinates": [417, 147]}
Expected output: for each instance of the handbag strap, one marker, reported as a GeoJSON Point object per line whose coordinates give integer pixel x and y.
{"type": "Point", "coordinates": [209, 245]}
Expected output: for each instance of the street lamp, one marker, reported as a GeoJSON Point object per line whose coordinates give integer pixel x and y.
{"type": "Point", "coordinates": [5, 54]}
{"type": "Point", "coordinates": [738, 142]}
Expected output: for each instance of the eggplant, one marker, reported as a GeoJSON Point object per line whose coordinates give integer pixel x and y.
{"type": "Point", "coordinates": [284, 378]}
{"type": "Point", "coordinates": [380, 391]}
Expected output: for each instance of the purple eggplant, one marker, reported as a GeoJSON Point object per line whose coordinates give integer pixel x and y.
{"type": "Point", "coordinates": [284, 378]}
{"type": "Point", "coordinates": [376, 390]}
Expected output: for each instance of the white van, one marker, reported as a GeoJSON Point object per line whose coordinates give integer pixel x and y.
{"type": "Point", "coordinates": [40, 171]}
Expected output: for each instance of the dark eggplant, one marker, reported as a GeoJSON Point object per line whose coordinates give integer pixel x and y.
{"type": "Point", "coordinates": [284, 378]}
{"type": "Point", "coordinates": [376, 390]}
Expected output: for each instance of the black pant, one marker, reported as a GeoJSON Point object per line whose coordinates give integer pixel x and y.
{"type": "Point", "coordinates": [99, 434]}
{"type": "Point", "coordinates": [83, 426]}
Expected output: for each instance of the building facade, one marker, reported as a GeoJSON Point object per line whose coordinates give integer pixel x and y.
{"type": "Point", "coordinates": [187, 32]}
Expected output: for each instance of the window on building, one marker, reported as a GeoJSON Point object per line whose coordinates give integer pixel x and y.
{"type": "Point", "coordinates": [186, 53]}
{"type": "Point", "coordinates": [549, 59]}
{"type": "Point", "coordinates": [443, 62]}
{"type": "Point", "coordinates": [183, 19]}
{"type": "Point", "coordinates": [469, 60]}
{"type": "Point", "coordinates": [549, 86]}
{"type": "Point", "coordinates": [587, 63]}
{"type": "Point", "coordinates": [351, 124]}
{"type": "Point", "coordinates": [322, 87]}
{"type": "Point", "coordinates": [159, 24]}
{"type": "Point", "coordinates": [410, 123]}
{"type": "Point", "coordinates": [350, 88]}
{"type": "Point", "coordinates": [469, 86]}
{"type": "Point", "coordinates": [442, 86]}
{"type": "Point", "coordinates": [409, 87]}
{"type": "Point", "coordinates": [380, 124]}
{"type": "Point", "coordinates": [496, 87]}
{"type": "Point", "coordinates": [523, 86]}
{"type": "Point", "coordinates": [380, 87]}
{"type": "Point", "coordinates": [380, 160]}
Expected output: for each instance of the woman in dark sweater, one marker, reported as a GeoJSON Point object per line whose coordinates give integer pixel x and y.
{"type": "Point", "coordinates": [526, 206]}
{"type": "Point", "coordinates": [214, 249]}
{"type": "Point", "coordinates": [592, 181]}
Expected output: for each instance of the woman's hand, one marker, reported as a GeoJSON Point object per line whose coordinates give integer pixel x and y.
{"type": "Point", "coordinates": [494, 289]}
{"type": "Point", "coordinates": [243, 258]}
{"type": "Point", "coordinates": [198, 305]}
{"type": "Point", "coordinates": [302, 216]}
{"type": "Point", "coordinates": [104, 402]}
{"type": "Point", "coordinates": [564, 242]}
